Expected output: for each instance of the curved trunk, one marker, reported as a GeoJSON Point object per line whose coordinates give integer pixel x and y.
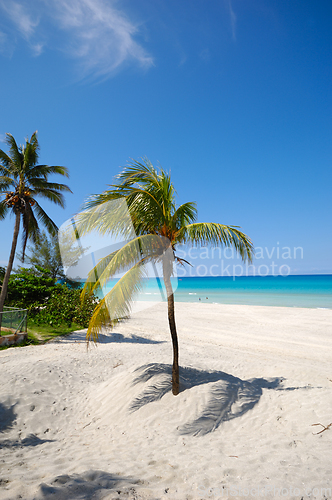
{"type": "Point", "coordinates": [10, 264]}
{"type": "Point", "coordinates": [171, 320]}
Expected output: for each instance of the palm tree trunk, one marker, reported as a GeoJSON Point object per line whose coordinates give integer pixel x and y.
{"type": "Point", "coordinates": [172, 327]}
{"type": "Point", "coordinates": [10, 264]}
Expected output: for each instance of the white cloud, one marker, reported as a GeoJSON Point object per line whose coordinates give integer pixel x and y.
{"type": "Point", "coordinates": [37, 48]}
{"type": "Point", "coordinates": [100, 37]}
{"type": "Point", "coordinates": [20, 17]}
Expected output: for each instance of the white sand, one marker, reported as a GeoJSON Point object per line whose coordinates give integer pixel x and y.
{"type": "Point", "coordinates": [257, 379]}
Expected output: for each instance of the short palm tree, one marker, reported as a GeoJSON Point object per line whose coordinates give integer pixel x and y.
{"type": "Point", "coordinates": [21, 182]}
{"type": "Point", "coordinates": [159, 226]}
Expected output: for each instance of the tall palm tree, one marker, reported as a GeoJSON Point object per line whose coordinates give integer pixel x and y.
{"type": "Point", "coordinates": [21, 182]}
{"type": "Point", "coordinates": [159, 225]}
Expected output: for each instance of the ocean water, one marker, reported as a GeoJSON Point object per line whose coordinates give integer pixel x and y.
{"type": "Point", "coordinates": [314, 291]}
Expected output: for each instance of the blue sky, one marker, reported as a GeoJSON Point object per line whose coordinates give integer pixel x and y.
{"type": "Point", "coordinates": [233, 96]}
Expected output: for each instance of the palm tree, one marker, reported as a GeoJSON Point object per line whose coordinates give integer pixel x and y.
{"type": "Point", "coordinates": [159, 225]}
{"type": "Point", "coordinates": [21, 182]}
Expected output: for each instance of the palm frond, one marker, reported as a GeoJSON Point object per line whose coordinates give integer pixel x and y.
{"type": "Point", "coordinates": [50, 194]}
{"type": "Point", "coordinates": [205, 233]}
{"type": "Point", "coordinates": [6, 182]}
{"type": "Point", "coordinates": [145, 210]}
{"type": "Point", "coordinates": [43, 185]}
{"type": "Point", "coordinates": [30, 153]}
{"type": "Point", "coordinates": [42, 216]}
{"type": "Point", "coordinates": [34, 231]}
{"type": "Point", "coordinates": [34, 142]}
{"type": "Point", "coordinates": [138, 202]}
{"type": "Point", "coordinates": [15, 154]}
{"type": "Point", "coordinates": [118, 302]}
{"type": "Point", "coordinates": [46, 170]}
{"type": "Point", "coordinates": [143, 249]}
{"type": "Point", "coordinates": [3, 209]}
{"type": "Point", "coordinates": [138, 173]}
{"type": "Point", "coordinates": [149, 196]}
{"type": "Point", "coordinates": [30, 228]}
{"type": "Point", "coordinates": [108, 217]}
{"type": "Point", "coordinates": [92, 282]}
{"type": "Point", "coordinates": [184, 215]}
{"type": "Point", "coordinates": [146, 179]}
{"type": "Point", "coordinates": [5, 164]}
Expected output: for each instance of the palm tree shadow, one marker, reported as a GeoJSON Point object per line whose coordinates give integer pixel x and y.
{"type": "Point", "coordinates": [106, 338]}
{"type": "Point", "coordinates": [30, 440]}
{"type": "Point", "coordinates": [132, 339]}
{"type": "Point", "coordinates": [7, 417]}
{"type": "Point", "coordinates": [230, 397]}
{"type": "Point", "coordinates": [89, 484]}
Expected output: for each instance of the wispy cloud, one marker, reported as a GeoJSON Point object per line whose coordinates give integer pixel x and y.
{"type": "Point", "coordinates": [3, 41]}
{"type": "Point", "coordinates": [19, 15]}
{"type": "Point", "coordinates": [37, 48]}
{"type": "Point", "coordinates": [97, 35]}
{"type": "Point", "coordinates": [102, 38]}
{"type": "Point", "coordinates": [232, 17]}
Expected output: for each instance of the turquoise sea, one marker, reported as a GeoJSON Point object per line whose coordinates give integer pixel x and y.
{"type": "Point", "coordinates": [313, 291]}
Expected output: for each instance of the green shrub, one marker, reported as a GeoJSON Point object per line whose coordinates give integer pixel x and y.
{"type": "Point", "coordinates": [30, 288]}
{"type": "Point", "coordinates": [64, 307]}
{"type": "Point", "coordinates": [49, 302]}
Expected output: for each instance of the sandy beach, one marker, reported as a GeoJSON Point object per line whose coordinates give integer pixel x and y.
{"type": "Point", "coordinates": [103, 424]}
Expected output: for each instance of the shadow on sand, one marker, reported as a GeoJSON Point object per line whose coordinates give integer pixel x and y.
{"type": "Point", "coordinates": [91, 484]}
{"type": "Point", "coordinates": [7, 417]}
{"type": "Point", "coordinates": [132, 339]}
{"type": "Point", "coordinates": [230, 397]}
{"type": "Point", "coordinates": [31, 440]}
{"type": "Point", "coordinates": [80, 336]}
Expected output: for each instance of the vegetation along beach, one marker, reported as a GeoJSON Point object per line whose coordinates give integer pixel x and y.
{"type": "Point", "coordinates": [165, 256]}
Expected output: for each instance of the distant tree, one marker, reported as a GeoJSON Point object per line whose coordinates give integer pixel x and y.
{"type": "Point", "coordinates": [22, 181]}
{"type": "Point", "coordinates": [45, 253]}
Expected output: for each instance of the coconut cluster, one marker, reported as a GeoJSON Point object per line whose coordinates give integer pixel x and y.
{"type": "Point", "coordinates": [18, 201]}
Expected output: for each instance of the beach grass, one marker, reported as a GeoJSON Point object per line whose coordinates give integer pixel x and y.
{"type": "Point", "coordinates": [40, 334]}
{"type": "Point", "coordinates": [46, 332]}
